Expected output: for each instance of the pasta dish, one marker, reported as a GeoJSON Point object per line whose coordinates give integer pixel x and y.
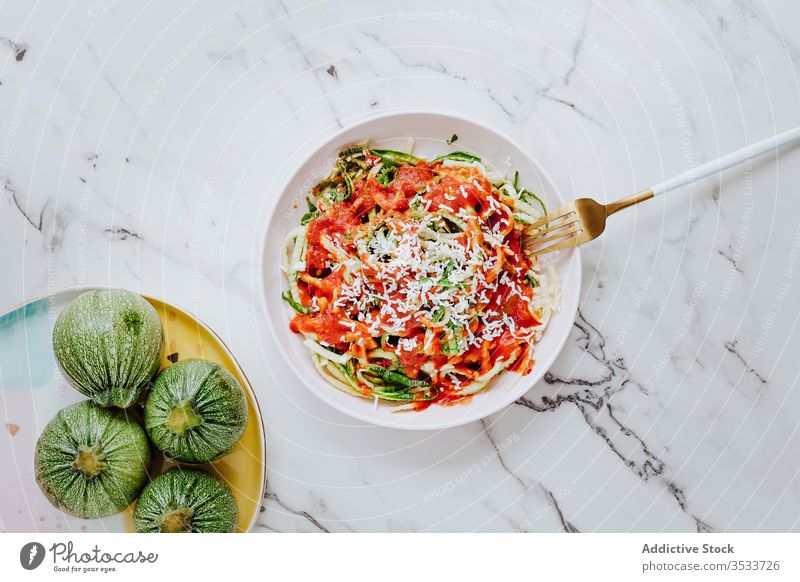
{"type": "Point", "coordinates": [408, 277]}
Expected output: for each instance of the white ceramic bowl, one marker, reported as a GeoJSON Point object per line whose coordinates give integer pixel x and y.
{"type": "Point", "coordinates": [430, 130]}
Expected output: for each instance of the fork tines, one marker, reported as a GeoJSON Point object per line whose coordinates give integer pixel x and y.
{"type": "Point", "coordinates": [553, 232]}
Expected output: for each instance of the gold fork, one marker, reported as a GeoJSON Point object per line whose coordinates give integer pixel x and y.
{"type": "Point", "coordinates": [584, 219]}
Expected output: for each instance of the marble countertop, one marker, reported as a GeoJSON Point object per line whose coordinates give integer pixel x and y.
{"type": "Point", "coordinates": [141, 145]}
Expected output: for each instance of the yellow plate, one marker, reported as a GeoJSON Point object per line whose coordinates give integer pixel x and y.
{"type": "Point", "coordinates": [243, 469]}
{"type": "Point", "coordinates": [32, 390]}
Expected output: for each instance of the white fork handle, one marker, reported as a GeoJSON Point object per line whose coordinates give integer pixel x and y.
{"type": "Point", "coordinates": [726, 161]}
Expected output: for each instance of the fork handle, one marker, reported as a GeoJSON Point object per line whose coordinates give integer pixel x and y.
{"type": "Point", "coordinates": [726, 161]}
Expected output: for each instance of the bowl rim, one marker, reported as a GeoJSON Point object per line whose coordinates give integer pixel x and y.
{"type": "Point", "coordinates": [294, 170]}
{"type": "Point", "coordinates": [248, 385]}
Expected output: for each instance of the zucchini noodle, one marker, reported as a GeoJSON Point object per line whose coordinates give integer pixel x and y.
{"type": "Point", "coordinates": [409, 281]}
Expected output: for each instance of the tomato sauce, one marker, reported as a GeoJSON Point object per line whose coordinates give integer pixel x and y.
{"type": "Point", "coordinates": [459, 192]}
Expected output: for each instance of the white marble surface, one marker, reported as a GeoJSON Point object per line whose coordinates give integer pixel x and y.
{"type": "Point", "coordinates": [141, 143]}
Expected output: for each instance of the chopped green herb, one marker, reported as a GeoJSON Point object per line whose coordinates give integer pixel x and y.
{"type": "Point", "coordinates": [398, 379]}
{"type": "Point", "coordinates": [352, 151]}
{"type": "Point", "coordinates": [453, 139]}
{"type": "Point", "coordinates": [451, 345]}
{"type": "Point", "coordinates": [424, 396]}
{"type": "Point", "coordinates": [348, 369]}
{"type": "Point", "coordinates": [286, 296]}
{"type": "Point", "coordinates": [526, 193]}
{"type": "Point", "coordinates": [448, 269]}
{"type": "Point", "coordinates": [451, 340]}
{"type": "Point", "coordinates": [521, 218]}
{"type": "Point", "coordinates": [458, 156]}
{"type": "Point", "coordinates": [332, 188]}
{"type": "Point", "coordinates": [311, 214]}
{"type": "Point", "coordinates": [386, 174]}
{"type": "Point", "coordinates": [396, 157]}
{"type": "Point", "coordinates": [326, 184]}
{"type": "Point", "coordinates": [308, 217]}
{"type": "Point", "coordinates": [531, 280]}
{"type": "Point", "coordinates": [348, 181]}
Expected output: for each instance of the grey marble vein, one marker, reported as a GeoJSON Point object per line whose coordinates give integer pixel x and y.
{"type": "Point", "coordinates": [155, 169]}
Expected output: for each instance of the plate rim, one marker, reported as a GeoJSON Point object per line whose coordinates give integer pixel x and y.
{"type": "Point", "coordinates": [360, 120]}
{"type": "Point", "coordinates": [207, 328]}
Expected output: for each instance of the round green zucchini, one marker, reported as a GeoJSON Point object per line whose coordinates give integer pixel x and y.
{"type": "Point", "coordinates": [108, 344]}
{"type": "Point", "coordinates": [185, 501]}
{"type": "Point", "coordinates": [196, 411]}
{"type": "Point", "coordinates": [91, 461]}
